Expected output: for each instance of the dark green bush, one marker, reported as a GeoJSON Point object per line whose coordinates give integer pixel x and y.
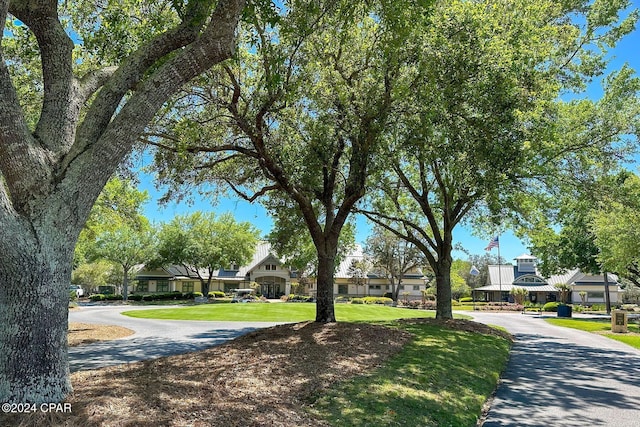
{"type": "Point", "coordinates": [97, 297]}
{"type": "Point", "coordinates": [357, 300]}
{"type": "Point", "coordinates": [114, 297]}
{"type": "Point", "coordinates": [216, 294]}
{"type": "Point", "coordinates": [466, 299]}
{"type": "Point", "coordinates": [551, 306]}
{"type": "Point", "coordinates": [299, 298]}
{"type": "Point", "coordinates": [376, 300]}
{"type": "Point", "coordinates": [147, 298]}
{"type": "Point", "coordinates": [135, 297]}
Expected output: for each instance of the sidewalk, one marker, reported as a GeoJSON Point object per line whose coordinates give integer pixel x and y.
{"type": "Point", "coordinates": [564, 377]}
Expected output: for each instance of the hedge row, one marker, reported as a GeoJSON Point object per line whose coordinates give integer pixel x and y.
{"type": "Point", "coordinates": [176, 295]}
{"type": "Point", "coordinates": [297, 298]}
{"type": "Point", "coordinates": [371, 300]}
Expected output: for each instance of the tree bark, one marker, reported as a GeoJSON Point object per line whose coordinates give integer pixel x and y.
{"type": "Point", "coordinates": [442, 269]}
{"type": "Point", "coordinates": [443, 290]}
{"type": "Point", "coordinates": [50, 178]}
{"type": "Point", "coordinates": [324, 303]}
{"type": "Point", "coordinates": [35, 272]}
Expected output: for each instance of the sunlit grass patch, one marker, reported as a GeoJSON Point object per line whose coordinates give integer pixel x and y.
{"type": "Point", "coordinates": [603, 327]}
{"type": "Point", "coordinates": [442, 378]}
{"type": "Point", "coordinates": [279, 312]}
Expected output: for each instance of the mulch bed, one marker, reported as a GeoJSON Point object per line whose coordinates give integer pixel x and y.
{"type": "Point", "coordinates": [264, 378]}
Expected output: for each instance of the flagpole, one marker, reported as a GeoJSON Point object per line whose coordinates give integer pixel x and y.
{"type": "Point", "coordinates": [499, 272]}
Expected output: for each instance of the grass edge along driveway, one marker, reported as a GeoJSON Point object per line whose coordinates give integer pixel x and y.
{"type": "Point", "coordinates": [602, 327]}
{"type": "Point", "coordinates": [442, 378]}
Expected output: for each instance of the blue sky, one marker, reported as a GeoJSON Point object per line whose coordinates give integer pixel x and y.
{"type": "Point", "coordinates": [627, 51]}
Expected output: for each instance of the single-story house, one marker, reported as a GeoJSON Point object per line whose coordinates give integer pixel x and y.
{"type": "Point", "coordinates": [264, 270]}
{"type": "Point", "coordinates": [502, 278]}
{"type": "Point", "coordinates": [376, 282]}
{"type": "Point", "coordinates": [273, 278]}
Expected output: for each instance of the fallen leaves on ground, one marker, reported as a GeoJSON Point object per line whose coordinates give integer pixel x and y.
{"type": "Point", "coordinates": [264, 378]}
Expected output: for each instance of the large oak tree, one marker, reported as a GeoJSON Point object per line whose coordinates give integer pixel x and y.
{"type": "Point", "coordinates": [305, 107]}
{"type": "Point", "coordinates": [485, 124]}
{"type": "Point", "coordinates": [69, 114]}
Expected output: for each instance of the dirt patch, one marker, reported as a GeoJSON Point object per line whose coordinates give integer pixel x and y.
{"type": "Point", "coordinates": [85, 333]}
{"type": "Point", "coordinates": [264, 378]}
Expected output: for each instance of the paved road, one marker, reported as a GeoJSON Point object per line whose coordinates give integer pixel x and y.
{"type": "Point", "coordinates": [152, 338]}
{"type": "Point", "coordinates": [555, 376]}
{"type": "Point", "coordinates": [564, 377]}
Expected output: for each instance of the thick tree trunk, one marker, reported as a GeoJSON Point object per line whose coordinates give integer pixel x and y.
{"type": "Point", "coordinates": [35, 272]}
{"type": "Point", "coordinates": [442, 269]}
{"type": "Point", "coordinates": [324, 305]}
{"type": "Point", "coordinates": [443, 290]}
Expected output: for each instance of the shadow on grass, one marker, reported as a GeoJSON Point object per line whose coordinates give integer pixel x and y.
{"type": "Point", "coordinates": [442, 378]}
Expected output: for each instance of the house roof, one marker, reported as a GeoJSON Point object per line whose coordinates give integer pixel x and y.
{"type": "Point", "coordinates": [525, 256]}
{"type": "Point", "coordinates": [261, 255]}
{"type": "Point", "coordinates": [503, 273]}
{"type": "Point", "coordinates": [506, 274]}
{"type": "Point", "coordinates": [506, 287]}
{"type": "Point", "coordinates": [342, 270]}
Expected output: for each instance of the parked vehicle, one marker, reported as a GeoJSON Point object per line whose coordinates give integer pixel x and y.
{"type": "Point", "coordinates": [78, 289]}
{"type": "Point", "coordinates": [243, 295]}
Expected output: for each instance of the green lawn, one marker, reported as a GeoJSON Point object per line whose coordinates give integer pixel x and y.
{"type": "Point", "coordinates": [442, 378]}
{"type": "Point", "coordinates": [278, 312]}
{"type": "Point", "coordinates": [591, 325]}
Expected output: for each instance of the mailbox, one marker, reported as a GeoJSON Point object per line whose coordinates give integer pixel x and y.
{"type": "Point", "coordinates": [618, 321]}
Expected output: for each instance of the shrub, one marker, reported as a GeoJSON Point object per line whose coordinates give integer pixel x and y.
{"type": "Point", "coordinates": [551, 306]}
{"type": "Point", "coordinates": [135, 297]}
{"type": "Point", "coordinates": [342, 299]}
{"type": "Point", "coordinates": [297, 298]}
{"type": "Point", "coordinates": [501, 306]}
{"type": "Point", "coordinates": [376, 300]}
{"type": "Point", "coordinates": [147, 298]}
{"type": "Point", "coordinates": [454, 302]}
{"type": "Point", "coordinates": [114, 297]}
{"type": "Point", "coordinates": [97, 297]}
{"type": "Point", "coordinates": [519, 294]}
{"type": "Point", "coordinates": [414, 304]}
{"type": "Point", "coordinates": [466, 299]}
{"type": "Point", "coordinates": [216, 294]}
{"type": "Point", "coordinates": [429, 305]}
{"type": "Point", "coordinates": [196, 294]}
{"type": "Point", "coordinates": [357, 301]}
{"type": "Point", "coordinates": [73, 296]}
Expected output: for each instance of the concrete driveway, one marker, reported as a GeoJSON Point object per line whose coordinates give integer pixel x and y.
{"type": "Point", "coordinates": [564, 377]}
{"type": "Point", "coordinates": [152, 339]}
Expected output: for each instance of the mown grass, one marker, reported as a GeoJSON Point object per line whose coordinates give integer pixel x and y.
{"type": "Point", "coordinates": [279, 312]}
{"type": "Point", "coordinates": [601, 326]}
{"type": "Point", "coordinates": [443, 378]}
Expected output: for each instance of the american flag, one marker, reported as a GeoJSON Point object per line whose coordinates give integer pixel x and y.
{"type": "Point", "coordinates": [494, 243]}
